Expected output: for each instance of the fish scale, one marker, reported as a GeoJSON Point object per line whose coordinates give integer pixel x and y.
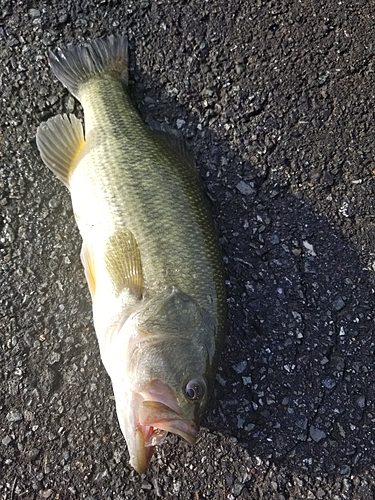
{"type": "Point", "coordinates": [162, 202]}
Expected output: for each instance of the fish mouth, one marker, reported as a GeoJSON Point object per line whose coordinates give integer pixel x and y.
{"type": "Point", "coordinates": [157, 414]}
{"type": "Point", "coordinates": [159, 417]}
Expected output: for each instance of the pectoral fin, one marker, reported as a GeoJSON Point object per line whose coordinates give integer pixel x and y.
{"type": "Point", "coordinates": [123, 262]}
{"type": "Point", "coordinates": [60, 141]}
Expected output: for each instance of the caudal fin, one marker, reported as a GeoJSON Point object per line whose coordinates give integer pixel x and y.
{"type": "Point", "coordinates": [77, 64]}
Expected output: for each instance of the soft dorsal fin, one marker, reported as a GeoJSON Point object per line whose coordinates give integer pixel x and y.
{"type": "Point", "coordinates": [173, 140]}
{"type": "Point", "coordinates": [123, 262]}
{"type": "Point", "coordinates": [60, 141]}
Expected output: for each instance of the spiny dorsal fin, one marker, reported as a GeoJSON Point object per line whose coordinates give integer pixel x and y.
{"type": "Point", "coordinates": [123, 262]}
{"type": "Point", "coordinates": [77, 64]}
{"type": "Point", "coordinates": [60, 141]}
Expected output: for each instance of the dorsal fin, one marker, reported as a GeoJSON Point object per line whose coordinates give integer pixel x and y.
{"type": "Point", "coordinates": [173, 140]}
{"type": "Point", "coordinates": [60, 141]}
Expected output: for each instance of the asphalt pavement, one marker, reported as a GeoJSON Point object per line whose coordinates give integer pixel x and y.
{"type": "Point", "coordinates": [276, 102]}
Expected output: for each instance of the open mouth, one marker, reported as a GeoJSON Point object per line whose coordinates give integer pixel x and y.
{"type": "Point", "coordinates": [157, 414]}
{"type": "Point", "coordinates": [158, 419]}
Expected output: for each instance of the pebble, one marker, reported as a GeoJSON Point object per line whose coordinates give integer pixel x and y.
{"type": "Point", "coordinates": [302, 423]}
{"type": "Point", "coordinates": [33, 453]}
{"type": "Point", "coordinates": [317, 434]}
{"type": "Point", "coordinates": [6, 440]}
{"type": "Point", "coordinates": [34, 13]}
{"type": "Point", "coordinates": [53, 203]}
{"type": "Point", "coordinates": [54, 358]}
{"type": "Point", "coordinates": [240, 367]}
{"type": "Point", "coordinates": [46, 493]}
{"type": "Point", "coordinates": [329, 383]}
{"type": "Point", "coordinates": [146, 485]}
{"type": "Point", "coordinates": [180, 123]}
{"type": "Point", "coordinates": [245, 188]}
{"type": "Point", "coordinates": [345, 470]}
{"type": "Point", "coordinates": [338, 304]}
{"type": "Point", "coordinates": [275, 240]}
{"type": "Point", "coordinates": [70, 104]}
{"type": "Point", "coordinates": [14, 416]}
{"type": "Point", "coordinates": [237, 489]}
{"type": "Point", "coordinates": [361, 401]}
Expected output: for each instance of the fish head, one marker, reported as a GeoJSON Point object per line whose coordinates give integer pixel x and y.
{"type": "Point", "coordinates": [163, 381]}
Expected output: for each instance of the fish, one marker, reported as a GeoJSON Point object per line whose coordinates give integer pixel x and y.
{"type": "Point", "coordinates": [150, 250]}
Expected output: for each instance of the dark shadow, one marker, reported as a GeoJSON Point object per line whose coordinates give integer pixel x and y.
{"type": "Point", "coordinates": [296, 379]}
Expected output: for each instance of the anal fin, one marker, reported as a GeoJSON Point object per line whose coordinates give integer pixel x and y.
{"type": "Point", "coordinates": [60, 141]}
{"type": "Point", "coordinates": [123, 262]}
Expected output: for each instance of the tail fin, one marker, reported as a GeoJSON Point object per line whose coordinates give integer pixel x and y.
{"type": "Point", "coordinates": [77, 64]}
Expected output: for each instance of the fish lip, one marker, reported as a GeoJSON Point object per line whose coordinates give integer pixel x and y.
{"type": "Point", "coordinates": [162, 417]}
{"type": "Point", "coordinates": [147, 417]}
{"type": "Point", "coordinates": [157, 414]}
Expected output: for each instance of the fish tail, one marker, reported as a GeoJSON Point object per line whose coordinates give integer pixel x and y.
{"type": "Point", "coordinates": [77, 64]}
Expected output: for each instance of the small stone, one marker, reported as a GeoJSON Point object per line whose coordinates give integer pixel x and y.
{"type": "Point", "coordinates": [345, 470]}
{"type": "Point", "coordinates": [329, 383]}
{"type": "Point", "coordinates": [180, 123]}
{"type": "Point", "coordinates": [240, 422]}
{"type": "Point", "coordinates": [53, 203]}
{"type": "Point", "coordinates": [146, 485]}
{"type": "Point", "coordinates": [275, 240]}
{"type": "Point", "coordinates": [221, 380]}
{"type": "Point", "coordinates": [46, 493]}
{"type": "Point", "coordinates": [245, 188]}
{"type": "Point", "coordinates": [54, 358]}
{"type": "Point", "coordinates": [338, 304]}
{"type": "Point", "coordinates": [33, 453]}
{"type": "Point", "coordinates": [6, 440]}
{"type": "Point", "coordinates": [338, 363]}
{"type": "Point", "coordinates": [317, 434]}
{"type": "Point", "coordinates": [361, 401]}
{"type": "Point", "coordinates": [237, 489]}
{"type": "Point", "coordinates": [309, 248]}
{"type": "Point", "coordinates": [239, 69]}
{"type": "Point", "coordinates": [34, 13]}
{"type": "Point", "coordinates": [302, 423]}
{"type": "Point", "coordinates": [28, 415]}
{"type": "Point", "coordinates": [240, 367]}
{"type": "Point", "coordinates": [14, 416]}
{"type": "Point", "coordinates": [70, 104]}
{"type": "Point", "coordinates": [320, 493]}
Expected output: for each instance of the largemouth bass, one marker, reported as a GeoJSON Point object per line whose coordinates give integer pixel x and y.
{"type": "Point", "coordinates": [149, 249]}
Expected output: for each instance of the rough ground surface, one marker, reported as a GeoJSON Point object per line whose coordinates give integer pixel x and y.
{"type": "Point", "coordinates": [276, 101]}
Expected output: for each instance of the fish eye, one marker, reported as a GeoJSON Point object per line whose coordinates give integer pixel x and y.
{"type": "Point", "coordinates": [195, 389]}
